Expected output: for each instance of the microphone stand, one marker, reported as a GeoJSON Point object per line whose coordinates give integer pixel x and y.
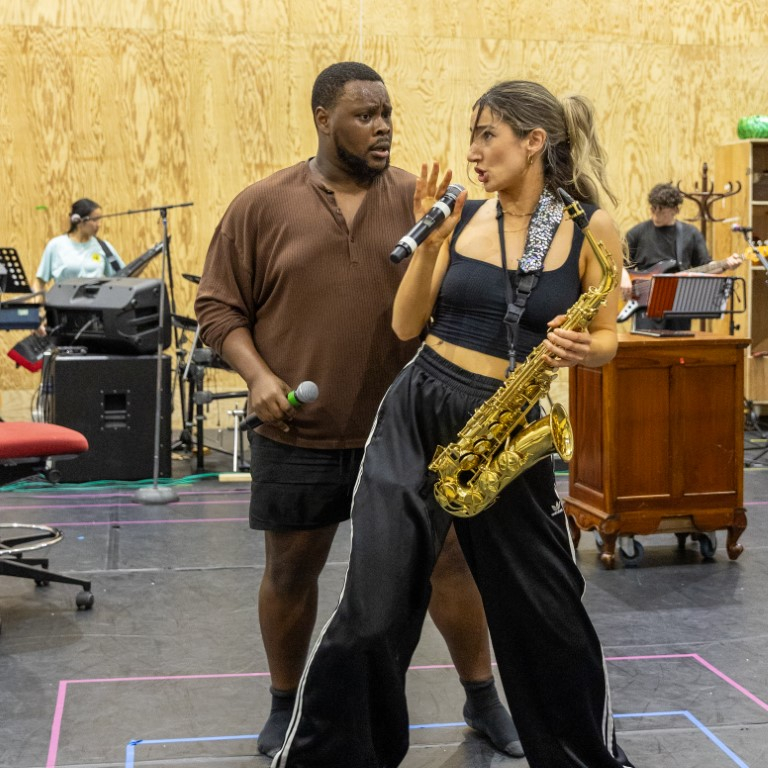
{"type": "Point", "coordinates": [183, 441]}
{"type": "Point", "coordinates": [155, 494]}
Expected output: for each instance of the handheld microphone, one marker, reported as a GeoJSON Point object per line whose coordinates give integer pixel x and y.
{"type": "Point", "coordinates": [306, 392]}
{"type": "Point", "coordinates": [425, 226]}
{"type": "Point", "coordinates": [737, 228]}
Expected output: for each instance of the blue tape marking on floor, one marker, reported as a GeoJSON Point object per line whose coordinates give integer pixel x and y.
{"type": "Point", "coordinates": [711, 736]}
{"type": "Point", "coordinates": [129, 752]}
{"type": "Point", "coordinates": [703, 728]}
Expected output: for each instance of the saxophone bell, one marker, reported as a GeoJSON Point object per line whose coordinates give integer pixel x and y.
{"type": "Point", "coordinates": [548, 435]}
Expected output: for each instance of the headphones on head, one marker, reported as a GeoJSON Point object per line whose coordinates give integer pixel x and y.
{"type": "Point", "coordinates": [76, 218]}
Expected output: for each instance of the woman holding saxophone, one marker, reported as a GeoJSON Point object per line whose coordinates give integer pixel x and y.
{"type": "Point", "coordinates": [517, 292]}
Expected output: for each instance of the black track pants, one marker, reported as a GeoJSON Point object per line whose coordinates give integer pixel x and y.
{"type": "Point", "coordinates": [351, 710]}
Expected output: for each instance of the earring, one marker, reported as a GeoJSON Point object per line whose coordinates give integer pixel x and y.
{"type": "Point", "coordinates": [530, 159]}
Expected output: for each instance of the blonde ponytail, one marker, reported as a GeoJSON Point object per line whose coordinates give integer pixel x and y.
{"type": "Point", "coordinates": [587, 154]}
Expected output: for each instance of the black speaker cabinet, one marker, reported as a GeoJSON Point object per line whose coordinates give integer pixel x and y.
{"type": "Point", "coordinates": [111, 400]}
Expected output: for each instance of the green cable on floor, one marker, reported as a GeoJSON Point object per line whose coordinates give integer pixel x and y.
{"type": "Point", "coordinates": [35, 484]}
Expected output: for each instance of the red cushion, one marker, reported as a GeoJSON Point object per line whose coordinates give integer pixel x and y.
{"type": "Point", "coordinates": [26, 440]}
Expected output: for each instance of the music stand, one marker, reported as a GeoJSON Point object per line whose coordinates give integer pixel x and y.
{"type": "Point", "coordinates": [14, 279]}
{"type": "Point", "coordinates": [18, 313]}
{"type": "Point", "coordinates": [689, 295]}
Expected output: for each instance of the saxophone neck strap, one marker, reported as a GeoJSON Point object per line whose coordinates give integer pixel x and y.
{"type": "Point", "coordinates": [545, 220]}
{"type": "Point", "coordinates": [525, 282]}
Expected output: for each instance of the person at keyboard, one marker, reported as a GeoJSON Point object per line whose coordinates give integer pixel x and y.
{"type": "Point", "coordinates": [78, 252]}
{"type": "Point", "coordinates": [664, 244]}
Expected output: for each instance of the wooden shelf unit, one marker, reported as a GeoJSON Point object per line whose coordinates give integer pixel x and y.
{"type": "Point", "coordinates": [746, 162]}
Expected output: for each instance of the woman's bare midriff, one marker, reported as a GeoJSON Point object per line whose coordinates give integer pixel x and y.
{"type": "Point", "coordinates": [469, 359]}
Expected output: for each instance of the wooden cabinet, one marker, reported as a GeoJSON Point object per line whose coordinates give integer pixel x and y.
{"type": "Point", "coordinates": [659, 440]}
{"type": "Point", "coordinates": [746, 162]}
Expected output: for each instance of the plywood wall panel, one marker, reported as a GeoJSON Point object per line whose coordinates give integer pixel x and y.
{"type": "Point", "coordinates": [341, 18]}
{"type": "Point", "coordinates": [221, 17]}
{"type": "Point", "coordinates": [724, 23]}
{"type": "Point", "coordinates": [95, 14]}
{"type": "Point", "coordinates": [437, 20]}
{"type": "Point", "coordinates": [41, 91]}
{"type": "Point", "coordinates": [146, 103]}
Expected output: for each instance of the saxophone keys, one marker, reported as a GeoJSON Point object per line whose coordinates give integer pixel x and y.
{"type": "Point", "coordinates": [497, 431]}
{"type": "Point", "coordinates": [509, 461]}
{"type": "Point", "coordinates": [488, 483]}
{"type": "Point", "coordinates": [470, 461]}
{"type": "Point", "coordinates": [447, 494]}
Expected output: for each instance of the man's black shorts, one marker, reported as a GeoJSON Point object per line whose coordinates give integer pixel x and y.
{"type": "Point", "coordinates": [300, 488]}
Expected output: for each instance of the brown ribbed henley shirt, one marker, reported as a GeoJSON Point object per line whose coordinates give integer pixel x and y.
{"type": "Point", "coordinates": [316, 294]}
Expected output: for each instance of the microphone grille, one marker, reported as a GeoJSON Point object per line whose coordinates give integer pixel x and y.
{"type": "Point", "coordinates": [307, 392]}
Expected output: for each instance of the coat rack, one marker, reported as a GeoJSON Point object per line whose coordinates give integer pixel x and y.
{"type": "Point", "coordinates": [706, 198]}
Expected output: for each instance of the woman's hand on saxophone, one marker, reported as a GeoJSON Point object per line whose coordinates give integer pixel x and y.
{"type": "Point", "coordinates": [565, 348]}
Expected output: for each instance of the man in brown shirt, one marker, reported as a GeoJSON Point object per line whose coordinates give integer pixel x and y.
{"type": "Point", "coordinates": [297, 285]}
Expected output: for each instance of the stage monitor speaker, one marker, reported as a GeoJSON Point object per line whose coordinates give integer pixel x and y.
{"type": "Point", "coordinates": [111, 400]}
{"type": "Point", "coordinates": [109, 315]}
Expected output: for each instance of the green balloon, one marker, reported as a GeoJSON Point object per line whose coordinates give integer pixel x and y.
{"type": "Point", "coordinates": [753, 127]}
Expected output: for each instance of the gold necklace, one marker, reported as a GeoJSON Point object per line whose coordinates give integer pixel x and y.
{"type": "Point", "coordinates": [519, 229]}
{"type": "Point", "coordinates": [514, 213]}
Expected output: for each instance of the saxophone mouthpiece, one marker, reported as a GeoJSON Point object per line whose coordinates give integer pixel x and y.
{"type": "Point", "coordinates": [575, 211]}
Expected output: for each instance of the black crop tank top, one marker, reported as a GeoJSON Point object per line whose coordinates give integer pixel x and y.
{"type": "Point", "coordinates": [472, 301]}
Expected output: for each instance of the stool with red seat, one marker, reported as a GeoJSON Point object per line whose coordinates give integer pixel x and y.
{"type": "Point", "coordinates": [27, 448]}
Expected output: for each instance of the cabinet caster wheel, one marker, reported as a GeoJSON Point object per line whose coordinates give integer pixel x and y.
{"type": "Point", "coordinates": [85, 600]}
{"type": "Point", "coordinates": [630, 552]}
{"type": "Point", "coordinates": [707, 544]}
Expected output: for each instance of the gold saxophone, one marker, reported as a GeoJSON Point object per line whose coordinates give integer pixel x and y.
{"type": "Point", "coordinates": [497, 444]}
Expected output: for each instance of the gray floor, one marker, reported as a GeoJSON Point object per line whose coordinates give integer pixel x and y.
{"type": "Point", "coordinates": [167, 668]}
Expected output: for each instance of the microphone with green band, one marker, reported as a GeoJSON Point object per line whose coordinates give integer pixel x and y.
{"type": "Point", "coordinates": [306, 392]}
